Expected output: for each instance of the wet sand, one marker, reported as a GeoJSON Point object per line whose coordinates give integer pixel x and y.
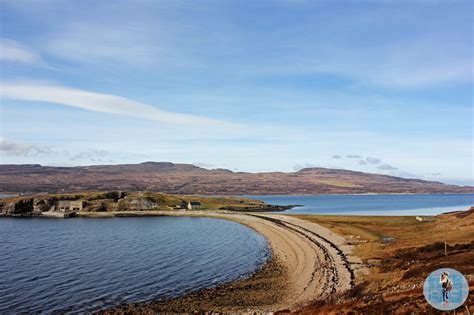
{"type": "Point", "coordinates": [308, 263]}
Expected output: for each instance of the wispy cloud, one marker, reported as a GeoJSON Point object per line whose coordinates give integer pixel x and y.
{"type": "Point", "coordinates": [387, 167]}
{"type": "Point", "coordinates": [94, 156]}
{"type": "Point", "coordinates": [369, 161]}
{"type": "Point", "coordinates": [11, 50]}
{"type": "Point", "coordinates": [426, 63]}
{"type": "Point", "coordinates": [156, 33]}
{"type": "Point", "coordinates": [373, 160]}
{"type": "Point", "coordinates": [130, 42]}
{"type": "Point", "coordinates": [439, 53]}
{"type": "Point", "coordinates": [104, 103]}
{"type": "Point", "coordinates": [11, 148]}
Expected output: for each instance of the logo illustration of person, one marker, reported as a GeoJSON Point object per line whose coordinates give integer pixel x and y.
{"type": "Point", "coordinates": [447, 285]}
{"type": "Point", "coordinates": [445, 289]}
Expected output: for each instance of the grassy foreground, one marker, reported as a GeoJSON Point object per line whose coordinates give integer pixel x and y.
{"type": "Point", "coordinates": [400, 253]}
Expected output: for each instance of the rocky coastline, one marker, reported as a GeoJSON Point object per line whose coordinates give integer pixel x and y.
{"type": "Point", "coordinates": [48, 205]}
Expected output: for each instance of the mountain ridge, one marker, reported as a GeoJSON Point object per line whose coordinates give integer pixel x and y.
{"type": "Point", "coordinates": [191, 179]}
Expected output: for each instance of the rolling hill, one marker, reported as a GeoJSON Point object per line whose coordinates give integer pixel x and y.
{"type": "Point", "coordinates": [189, 179]}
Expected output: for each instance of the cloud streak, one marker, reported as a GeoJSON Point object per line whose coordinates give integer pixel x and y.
{"type": "Point", "coordinates": [103, 103]}
{"type": "Point", "coordinates": [11, 50]}
{"type": "Point", "coordinates": [81, 42]}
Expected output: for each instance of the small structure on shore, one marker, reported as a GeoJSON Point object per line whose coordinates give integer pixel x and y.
{"type": "Point", "coordinates": [69, 205]}
{"type": "Point", "coordinates": [194, 205]}
{"type": "Point", "coordinates": [182, 206]}
{"type": "Point", "coordinates": [425, 218]}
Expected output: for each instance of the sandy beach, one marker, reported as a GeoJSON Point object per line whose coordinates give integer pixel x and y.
{"type": "Point", "coordinates": [309, 263]}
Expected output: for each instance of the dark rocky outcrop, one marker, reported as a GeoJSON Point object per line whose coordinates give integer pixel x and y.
{"type": "Point", "coordinates": [22, 207]}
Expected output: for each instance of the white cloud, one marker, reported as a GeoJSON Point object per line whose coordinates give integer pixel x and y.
{"type": "Point", "coordinates": [13, 51]}
{"type": "Point", "coordinates": [104, 103]}
{"type": "Point", "coordinates": [11, 148]}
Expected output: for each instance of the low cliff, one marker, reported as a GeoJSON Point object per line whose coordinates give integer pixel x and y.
{"type": "Point", "coordinates": [116, 201]}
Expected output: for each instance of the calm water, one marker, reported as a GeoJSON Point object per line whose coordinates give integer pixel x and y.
{"type": "Point", "coordinates": [373, 204]}
{"type": "Point", "coordinates": [6, 196]}
{"type": "Point", "coordinates": [84, 265]}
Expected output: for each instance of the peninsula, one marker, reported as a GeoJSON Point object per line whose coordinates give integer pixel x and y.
{"type": "Point", "coordinates": [123, 203]}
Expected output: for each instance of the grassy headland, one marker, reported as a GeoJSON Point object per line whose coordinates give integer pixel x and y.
{"type": "Point", "coordinates": [119, 201]}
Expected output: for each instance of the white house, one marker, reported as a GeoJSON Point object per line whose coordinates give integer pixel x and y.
{"type": "Point", "coordinates": [194, 205]}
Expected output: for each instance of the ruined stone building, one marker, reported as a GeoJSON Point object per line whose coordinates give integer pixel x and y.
{"type": "Point", "coordinates": [69, 205]}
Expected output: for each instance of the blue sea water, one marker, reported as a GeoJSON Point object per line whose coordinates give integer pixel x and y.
{"type": "Point", "coordinates": [85, 265]}
{"type": "Point", "coordinates": [372, 204]}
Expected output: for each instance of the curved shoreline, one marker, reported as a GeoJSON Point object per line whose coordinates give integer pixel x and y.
{"type": "Point", "coordinates": [308, 263]}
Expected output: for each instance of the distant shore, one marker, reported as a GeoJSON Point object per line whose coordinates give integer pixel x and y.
{"type": "Point", "coordinates": [308, 261]}
{"type": "Point", "coordinates": [187, 179]}
{"type": "Point", "coordinates": [17, 194]}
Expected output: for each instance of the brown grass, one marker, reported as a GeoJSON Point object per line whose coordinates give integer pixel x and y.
{"type": "Point", "coordinates": [398, 267]}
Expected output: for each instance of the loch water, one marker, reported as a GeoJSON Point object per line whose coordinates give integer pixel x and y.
{"type": "Point", "coordinates": [372, 204]}
{"type": "Point", "coordinates": [82, 265]}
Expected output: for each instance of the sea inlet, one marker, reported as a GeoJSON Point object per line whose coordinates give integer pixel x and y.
{"type": "Point", "coordinates": [85, 265]}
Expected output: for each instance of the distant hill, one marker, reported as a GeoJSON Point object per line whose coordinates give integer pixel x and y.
{"type": "Point", "coordinates": [189, 179]}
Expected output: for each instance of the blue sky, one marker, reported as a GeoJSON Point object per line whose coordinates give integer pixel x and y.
{"type": "Point", "coordinates": [376, 86]}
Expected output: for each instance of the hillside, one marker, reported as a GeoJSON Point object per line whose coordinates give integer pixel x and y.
{"type": "Point", "coordinates": [190, 179]}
